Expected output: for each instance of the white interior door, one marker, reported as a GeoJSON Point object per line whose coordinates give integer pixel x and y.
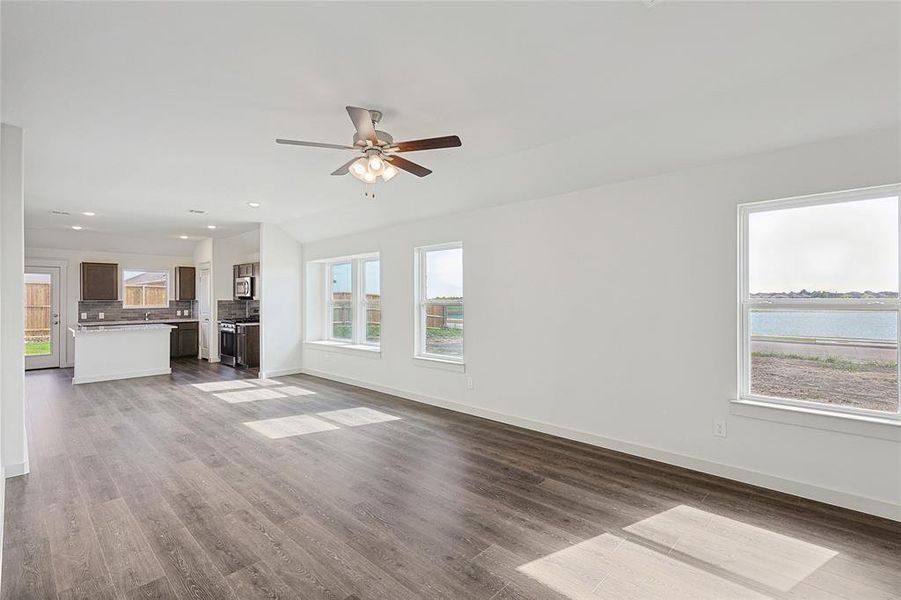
{"type": "Point", "coordinates": [42, 322]}
{"type": "Point", "coordinates": [205, 312]}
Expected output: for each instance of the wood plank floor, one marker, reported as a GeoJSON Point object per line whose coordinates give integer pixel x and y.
{"type": "Point", "coordinates": [156, 488]}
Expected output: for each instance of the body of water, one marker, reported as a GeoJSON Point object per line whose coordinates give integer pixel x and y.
{"type": "Point", "coordinates": [868, 325]}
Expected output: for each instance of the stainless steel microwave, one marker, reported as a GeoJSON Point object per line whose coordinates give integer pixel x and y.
{"type": "Point", "coordinates": [243, 287]}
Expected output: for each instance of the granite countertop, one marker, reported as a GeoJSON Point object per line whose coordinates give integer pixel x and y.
{"type": "Point", "coordinates": [109, 328]}
{"type": "Point", "coordinates": [105, 323]}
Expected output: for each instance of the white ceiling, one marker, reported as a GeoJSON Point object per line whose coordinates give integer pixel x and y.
{"type": "Point", "coordinates": [140, 111]}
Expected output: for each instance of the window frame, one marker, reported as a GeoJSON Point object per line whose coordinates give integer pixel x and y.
{"type": "Point", "coordinates": [124, 297]}
{"type": "Point", "coordinates": [420, 302]}
{"type": "Point", "coordinates": [358, 302]}
{"type": "Point", "coordinates": [746, 304]}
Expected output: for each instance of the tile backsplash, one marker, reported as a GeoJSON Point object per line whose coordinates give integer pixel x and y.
{"type": "Point", "coordinates": [113, 311]}
{"type": "Point", "coordinates": [237, 309]}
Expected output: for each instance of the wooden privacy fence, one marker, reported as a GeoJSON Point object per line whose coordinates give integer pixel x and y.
{"type": "Point", "coordinates": [145, 295]}
{"type": "Point", "coordinates": [37, 311]}
{"type": "Point", "coordinates": [444, 315]}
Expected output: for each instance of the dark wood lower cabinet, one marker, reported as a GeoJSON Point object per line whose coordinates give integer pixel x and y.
{"type": "Point", "coordinates": [184, 339]}
{"type": "Point", "coordinates": [248, 345]}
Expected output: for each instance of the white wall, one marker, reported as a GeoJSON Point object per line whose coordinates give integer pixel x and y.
{"type": "Point", "coordinates": [281, 269]}
{"type": "Point", "coordinates": [609, 315]}
{"type": "Point", "coordinates": [13, 443]}
{"type": "Point", "coordinates": [72, 292]}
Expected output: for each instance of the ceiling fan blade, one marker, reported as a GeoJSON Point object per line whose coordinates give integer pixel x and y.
{"type": "Point", "coordinates": [448, 141]}
{"type": "Point", "coordinates": [343, 169]}
{"type": "Point", "coordinates": [362, 120]}
{"type": "Point", "coordinates": [314, 144]}
{"type": "Point", "coordinates": [409, 166]}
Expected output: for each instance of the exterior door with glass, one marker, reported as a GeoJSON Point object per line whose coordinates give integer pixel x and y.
{"type": "Point", "coordinates": [42, 322]}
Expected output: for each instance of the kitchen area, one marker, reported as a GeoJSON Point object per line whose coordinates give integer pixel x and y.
{"type": "Point", "coordinates": [133, 322]}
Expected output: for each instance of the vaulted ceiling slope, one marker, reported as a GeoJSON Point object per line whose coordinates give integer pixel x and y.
{"type": "Point", "coordinates": [140, 111]}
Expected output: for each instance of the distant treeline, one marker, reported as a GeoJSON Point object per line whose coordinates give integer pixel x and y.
{"type": "Point", "coordinates": [822, 294]}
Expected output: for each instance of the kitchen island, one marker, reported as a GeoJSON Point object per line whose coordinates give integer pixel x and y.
{"type": "Point", "coordinates": [121, 352]}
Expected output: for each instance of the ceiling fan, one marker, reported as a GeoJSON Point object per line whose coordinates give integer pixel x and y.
{"type": "Point", "coordinates": [378, 150]}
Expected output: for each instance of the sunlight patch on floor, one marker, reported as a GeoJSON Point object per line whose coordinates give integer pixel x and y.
{"type": "Point", "coordinates": [290, 426]}
{"type": "Point", "coordinates": [700, 553]}
{"type": "Point", "coordinates": [265, 382]}
{"type": "Point", "coordinates": [250, 395]}
{"type": "Point", "coordinates": [764, 556]}
{"type": "Point", "coordinates": [613, 568]}
{"type": "Point", "coordinates": [293, 390]}
{"type": "Point", "coordinates": [353, 417]}
{"type": "Point", "coordinates": [219, 386]}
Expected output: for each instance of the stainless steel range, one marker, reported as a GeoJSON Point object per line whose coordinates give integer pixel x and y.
{"type": "Point", "coordinates": [237, 341]}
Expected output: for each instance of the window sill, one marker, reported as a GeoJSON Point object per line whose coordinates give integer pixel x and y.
{"type": "Point", "coordinates": [341, 347]}
{"type": "Point", "coordinates": [886, 428]}
{"type": "Point", "coordinates": [444, 364]}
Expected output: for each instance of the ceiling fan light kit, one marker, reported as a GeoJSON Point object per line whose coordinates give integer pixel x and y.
{"type": "Point", "coordinates": [378, 150]}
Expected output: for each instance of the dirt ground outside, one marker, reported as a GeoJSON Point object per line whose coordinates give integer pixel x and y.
{"type": "Point", "coordinates": [860, 384]}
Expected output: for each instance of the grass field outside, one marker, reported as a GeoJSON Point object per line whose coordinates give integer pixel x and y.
{"type": "Point", "coordinates": [342, 331]}
{"type": "Point", "coordinates": [36, 347]}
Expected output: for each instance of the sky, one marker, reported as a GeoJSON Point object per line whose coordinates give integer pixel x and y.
{"type": "Point", "coordinates": [444, 268]}
{"type": "Point", "coordinates": [844, 247]}
{"type": "Point", "coordinates": [444, 273]}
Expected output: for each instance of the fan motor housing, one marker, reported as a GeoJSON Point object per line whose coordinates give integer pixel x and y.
{"type": "Point", "coordinates": [384, 137]}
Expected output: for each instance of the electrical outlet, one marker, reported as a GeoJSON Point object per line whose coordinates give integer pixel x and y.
{"type": "Point", "coordinates": [99, 315]}
{"type": "Point", "coordinates": [719, 428]}
{"type": "Point", "coordinates": [469, 383]}
{"type": "Point", "coordinates": [178, 313]}
{"type": "Point", "coordinates": [84, 316]}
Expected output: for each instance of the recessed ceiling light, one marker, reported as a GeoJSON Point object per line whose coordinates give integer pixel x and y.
{"type": "Point", "coordinates": [211, 227]}
{"type": "Point", "coordinates": [253, 204]}
{"type": "Point", "coordinates": [76, 227]}
{"type": "Point", "coordinates": [183, 237]}
{"type": "Point", "coordinates": [88, 213]}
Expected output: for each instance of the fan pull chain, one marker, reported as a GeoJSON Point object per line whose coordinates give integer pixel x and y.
{"type": "Point", "coordinates": [368, 190]}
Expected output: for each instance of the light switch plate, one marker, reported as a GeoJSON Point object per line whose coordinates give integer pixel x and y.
{"type": "Point", "coordinates": [100, 315]}
{"type": "Point", "coordinates": [469, 384]}
{"type": "Point", "coordinates": [84, 316]}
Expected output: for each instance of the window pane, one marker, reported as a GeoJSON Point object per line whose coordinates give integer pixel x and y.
{"type": "Point", "coordinates": [847, 358]}
{"type": "Point", "coordinates": [37, 314]}
{"type": "Point", "coordinates": [372, 299]}
{"type": "Point", "coordinates": [444, 316]}
{"type": "Point", "coordinates": [341, 303]}
{"type": "Point", "coordinates": [847, 249]}
{"type": "Point", "coordinates": [444, 329]}
{"type": "Point", "coordinates": [146, 288]}
{"type": "Point", "coordinates": [444, 274]}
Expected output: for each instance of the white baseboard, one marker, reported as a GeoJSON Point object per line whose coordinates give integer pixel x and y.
{"type": "Point", "coordinates": [125, 375]}
{"type": "Point", "coordinates": [856, 502]}
{"type": "Point", "coordinates": [280, 372]}
{"type": "Point", "coordinates": [15, 470]}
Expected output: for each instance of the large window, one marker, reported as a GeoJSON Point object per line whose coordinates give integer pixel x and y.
{"type": "Point", "coordinates": [819, 301]}
{"type": "Point", "coordinates": [440, 302]}
{"type": "Point", "coordinates": [353, 301]}
{"type": "Point", "coordinates": [145, 289]}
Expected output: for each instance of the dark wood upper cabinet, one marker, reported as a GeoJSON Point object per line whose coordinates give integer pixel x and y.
{"type": "Point", "coordinates": [99, 281]}
{"type": "Point", "coordinates": [185, 288]}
